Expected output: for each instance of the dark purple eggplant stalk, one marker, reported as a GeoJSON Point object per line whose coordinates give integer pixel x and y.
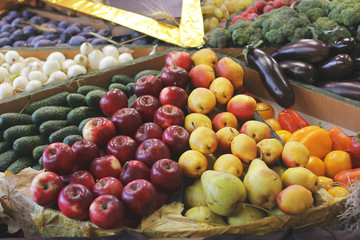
{"type": "Point", "coordinates": [336, 68]}
{"type": "Point", "coordinates": [299, 71]}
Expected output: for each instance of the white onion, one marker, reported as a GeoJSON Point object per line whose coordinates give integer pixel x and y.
{"type": "Point", "coordinates": [36, 65]}
{"type": "Point", "coordinates": [25, 71]}
{"type": "Point", "coordinates": [86, 48]}
{"type": "Point", "coordinates": [28, 60]}
{"type": "Point", "coordinates": [4, 74]}
{"type": "Point", "coordinates": [58, 76]}
{"type": "Point", "coordinates": [2, 58]}
{"type": "Point", "coordinates": [94, 58]}
{"type": "Point", "coordinates": [67, 64]}
{"type": "Point", "coordinates": [38, 75]}
{"type": "Point", "coordinates": [33, 84]}
{"type": "Point", "coordinates": [81, 59]}
{"type": "Point", "coordinates": [6, 90]}
{"type": "Point", "coordinates": [20, 83]}
{"type": "Point", "coordinates": [50, 67]}
{"type": "Point", "coordinates": [76, 70]}
{"type": "Point", "coordinates": [110, 50]}
{"type": "Point", "coordinates": [58, 56]}
{"type": "Point", "coordinates": [12, 56]}
{"type": "Point", "coordinates": [107, 62]}
{"type": "Point", "coordinates": [16, 68]}
{"type": "Point", "coordinates": [6, 66]}
{"type": "Point", "coordinates": [125, 57]}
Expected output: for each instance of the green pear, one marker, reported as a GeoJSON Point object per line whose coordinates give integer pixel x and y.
{"type": "Point", "coordinates": [246, 214]}
{"type": "Point", "coordinates": [204, 214]}
{"type": "Point", "coordinates": [194, 195]}
{"type": "Point", "coordinates": [301, 176]}
{"type": "Point", "coordinates": [262, 184]}
{"type": "Point", "coordinates": [224, 192]}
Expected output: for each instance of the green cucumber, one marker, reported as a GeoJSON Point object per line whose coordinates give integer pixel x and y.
{"type": "Point", "coordinates": [118, 86]}
{"type": "Point", "coordinates": [76, 100]}
{"type": "Point", "coordinates": [38, 166]}
{"type": "Point", "coordinates": [38, 151]}
{"type": "Point", "coordinates": [48, 127]}
{"type": "Point", "coordinates": [121, 78]}
{"type": "Point", "coordinates": [50, 113]}
{"type": "Point", "coordinates": [146, 72]}
{"type": "Point", "coordinates": [71, 139]}
{"type": "Point", "coordinates": [11, 119]}
{"type": "Point", "coordinates": [82, 124]}
{"type": "Point", "coordinates": [6, 159]}
{"type": "Point", "coordinates": [129, 89]}
{"type": "Point", "coordinates": [5, 146]}
{"type": "Point", "coordinates": [78, 114]}
{"type": "Point", "coordinates": [18, 131]}
{"type": "Point", "coordinates": [24, 146]}
{"type": "Point", "coordinates": [58, 99]}
{"type": "Point", "coordinates": [20, 164]}
{"type": "Point", "coordinates": [88, 88]}
{"type": "Point", "coordinates": [59, 135]}
{"type": "Point", "coordinates": [93, 98]}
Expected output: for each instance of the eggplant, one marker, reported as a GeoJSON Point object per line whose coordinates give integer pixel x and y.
{"type": "Point", "coordinates": [345, 45]}
{"type": "Point", "coordinates": [306, 50]}
{"type": "Point", "coordinates": [349, 89]}
{"type": "Point", "coordinates": [335, 68]}
{"type": "Point", "coordinates": [299, 71]}
{"type": "Point", "coordinates": [356, 63]}
{"type": "Point", "coordinates": [271, 76]}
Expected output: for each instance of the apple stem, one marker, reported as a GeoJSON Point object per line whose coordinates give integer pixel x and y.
{"type": "Point", "coordinates": [193, 124]}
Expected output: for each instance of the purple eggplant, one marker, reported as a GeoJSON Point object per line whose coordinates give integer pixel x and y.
{"type": "Point", "coordinates": [306, 50]}
{"type": "Point", "coordinates": [336, 68]}
{"type": "Point", "coordinates": [299, 71]}
{"type": "Point", "coordinates": [345, 45]}
{"type": "Point", "coordinates": [349, 89]}
{"type": "Point", "coordinates": [356, 63]}
{"type": "Point", "coordinates": [271, 76]}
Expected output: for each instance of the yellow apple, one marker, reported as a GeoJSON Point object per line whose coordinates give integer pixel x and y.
{"type": "Point", "coordinates": [229, 163]}
{"type": "Point", "coordinates": [225, 136]}
{"type": "Point", "coordinates": [223, 89]}
{"type": "Point", "coordinates": [295, 154]}
{"type": "Point", "coordinates": [201, 76]}
{"type": "Point", "coordinates": [256, 130]}
{"type": "Point", "coordinates": [204, 140]}
{"type": "Point", "coordinates": [205, 56]}
{"type": "Point", "coordinates": [193, 163]}
{"type": "Point", "coordinates": [224, 119]}
{"type": "Point", "coordinates": [201, 100]}
{"type": "Point", "coordinates": [233, 71]}
{"type": "Point", "coordinates": [244, 147]}
{"type": "Point", "coordinates": [194, 120]}
{"type": "Point", "coordinates": [270, 150]}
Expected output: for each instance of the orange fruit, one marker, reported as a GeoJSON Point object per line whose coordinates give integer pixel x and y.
{"type": "Point", "coordinates": [265, 110]}
{"type": "Point", "coordinates": [338, 192]}
{"type": "Point", "coordinates": [274, 124]}
{"type": "Point", "coordinates": [316, 165]}
{"type": "Point", "coordinates": [325, 182]}
{"type": "Point", "coordinates": [284, 135]}
{"type": "Point", "coordinates": [336, 161]}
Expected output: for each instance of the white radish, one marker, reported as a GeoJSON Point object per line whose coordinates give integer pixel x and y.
{"type": "Point", "coordinates": [58, 76]}
{"type": "Point", "coordinates": [51, 66]}
{"type": "Point", "coordinates": [33, 84]}
{"type": "Point", "coordinates": [94, 58]}
{"type": "Point", "coordinates": [76, 70]}
{"type": "Point", "coordinates": [4, 74]}
{"type": "Point", "coordinates": [81, 59]}
{"type": "Point", "coordinates": [86, 48]}
{"type": "Point", "coordinates": [107, 62]}
{"type": "Point", "coordinates": [110, 50]}
{"type": "Point", "coordinates": [20, 83]}
{"type": "Point", "coordinates": [125, 57]}
{"type": "Point", "coordinates": [67, 64]}
{"type": "Point", "coordinates": [58, 56]}
{"type": "Point", "coordinates": [12, 56]}
{"type": "Point", "coordinates": [16, 68]}
{"type": "Point", "coordinates": [6, 90]}
{"type": "Point", "coordinates": [38, 75]}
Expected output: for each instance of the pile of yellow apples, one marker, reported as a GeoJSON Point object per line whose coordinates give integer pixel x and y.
{"type": "Point", "coordinates": [239, 172]}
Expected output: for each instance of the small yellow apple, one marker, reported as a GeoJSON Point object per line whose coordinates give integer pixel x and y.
{"type": "Point", "coordinates": [244, 147]}
{"type": "Point", "coordinates": [229, 163]}
{"type": "Point", "coordinates": [223, 90]}
{"type": "Point", "coordinates": [231, 70]}
{"type": "Point", "coordinates": [204, 140]}
{"type": "Point", "coordinates": [205, 56]}
{"type": "Point", "coordinates": [193, 163]}
{"type": "Point", "coordinates": [201, 100]}
{"type": "Point", "coordinates": [224, 119]}
{"type": "Point", "coordinates": [270, 150]}
{"type": "Point", "coordinates": [256, 130]}
{"type": "Point", "coordinates": [194, 120]}
{"type": "Point", "coordinates": [225, 136]}
{"type": "Point", "coordinates": [295, 154]}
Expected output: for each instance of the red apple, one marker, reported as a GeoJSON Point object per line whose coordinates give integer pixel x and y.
{"type": "Point", "coordinates": [85, 151]}
{"type": "Point", "coordinates": [107, 212]}
{"type": "Point", "coordinates": [176, 96]}
{"type": "Point", "coordinates": [112, 101]}
{"type": "Point", "coordinates": [107, 186]}
{"type": "Point", "coordinates": [99, 130]}
{"type": "Point", "coordinates": [140, 197]}
{"type": "Point", "coordinates": [168, 115]}
{"type": "Point", "coordinates": [81, 177]}
{"type": "Point", "coordinates": [146, 131]}
{"type": "Point", "coordinates": [74, 201]}
{"type": "Point", "coordinates": [105, 166]}
{"type": "Point", "coordinates": [126, 121]}
{"type": "Point", "coordinates": [45, 188]}
{"type": "Point", "coordinates": [122, 147]}
{"type": "Point", "coordinates": [132, 170]}
{"type": "Point", "coordinates": [59, 158]}
{"type": "Point", "coordinates": [175, 76]}
{"type": "Point", "coordinates": [166, 175]}
{"type": "Point", "coordinates": [176, 138]}
{"type": "Point", "coordinates": [180, 59]}
{"type": "Point", "coordinates": [152, 150]}
{"type": "Point", "coordinates": [162, 198]}
{"type": "Point", "coordinates": [148, 85]}
{"type": "Point", "coordinates": [146, 105]}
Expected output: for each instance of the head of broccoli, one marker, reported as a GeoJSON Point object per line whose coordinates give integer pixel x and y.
{"type": "Point", "coordinates": [345, 12]}
{"type": "Point", "coordinates": [313, 9]}
{"type": "Point", "coordinates": [219, 38]}
{"type": "Point", "coordinates": [328, 30]}
{"type": "Point", "coordinates": [245, 32]}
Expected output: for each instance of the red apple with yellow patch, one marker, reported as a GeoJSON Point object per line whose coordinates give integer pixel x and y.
{"type": "Point", "coordinates": [256, 130]}
{"type": "Point", "coordinates": [242, 106]}
{"type": "Point", "coordinates": [201, 76]}
{"type": "Point", "coordinates": [231, 70]}
{"type": "Point", "coordinates": [224, 119]}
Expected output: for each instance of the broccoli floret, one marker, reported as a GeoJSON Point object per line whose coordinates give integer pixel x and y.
{"type": "Point", "coordinates": [345, 12]}
{"type": "Point", "coordinates": [313, 9]}
{"type": "Point", "coordinates": [219, 38]}
{"type": "Point", "coordinates": [245, 32]}
{"type": "Point", "coordinates": [283, 25]}
{"type": "Point", "coordinates": [328, 30]}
